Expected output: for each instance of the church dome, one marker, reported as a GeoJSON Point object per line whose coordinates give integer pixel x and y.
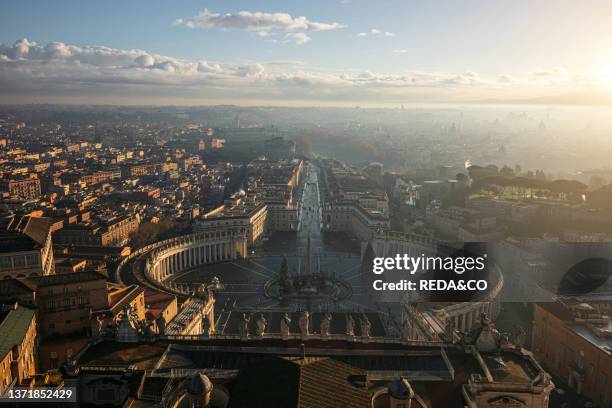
{"type": "Point", "coordinates": [199, 384]}
{"type": "Point", "coordinates": [401, 389]}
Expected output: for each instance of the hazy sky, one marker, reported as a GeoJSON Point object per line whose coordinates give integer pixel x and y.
{"type": "Point", "coordinates": [305, 52]}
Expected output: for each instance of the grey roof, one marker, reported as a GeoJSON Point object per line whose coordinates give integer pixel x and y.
{"type": "Point", "coordinates": [14, 328]}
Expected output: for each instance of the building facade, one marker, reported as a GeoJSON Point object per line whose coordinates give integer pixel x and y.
{"type": "Point", "coordinates": [65, 301]}
{"type": "Point", "coordinates": [18, 346]}
{"type": "Point", "coordinates": [574, 342]}
{"type": "Point", "coordinates": [26, 188]}
{"type": "Point", "coordinates": [26, 248]}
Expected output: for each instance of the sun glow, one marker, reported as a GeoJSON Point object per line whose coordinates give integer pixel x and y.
{"type": "Point", "coordinates": [604, 75]}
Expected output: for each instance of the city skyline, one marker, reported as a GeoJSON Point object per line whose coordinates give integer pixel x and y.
{"type": "Point", "coordinates": [340, 53]}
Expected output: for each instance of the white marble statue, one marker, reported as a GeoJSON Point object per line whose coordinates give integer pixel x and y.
{"type": "Point", "coordinates": [285, 323]}
{"type": "Point", "coordinates": [261, 325]}
{"type": "Point", "coordinates": [304, 323]}
{"type": "Point", "coordinates": [366, 327]}
{"type": "Point", "coordinates": [246, 319]}
{"type": "Point", "coordinates": [350, 325]}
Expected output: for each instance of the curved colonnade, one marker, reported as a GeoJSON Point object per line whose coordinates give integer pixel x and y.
{"type": "Point", "coordinates": [461, 315]}
{"type": "Point", "coordinates": [390, 243]}
{"type": "Point", "coordinates": [163, 259]}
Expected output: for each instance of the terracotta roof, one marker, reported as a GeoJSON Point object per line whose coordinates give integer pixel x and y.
{"type": "Point", "coordinates": [66, 278]}
{"type": "Point", "coordinates": [558, 310]}
{"type": "Point", "coordinates": [304, 383]}
{"type": "Point", "coordinates": [156, 302]}
{"type": "Point", "coordinates": [16, 286]}
{"type": "Point", "coordinates": [15, 242]}
{"type": "Point", "coordinates": [119, 298]}
{"type": "Point", "coordinates": [37, 228]}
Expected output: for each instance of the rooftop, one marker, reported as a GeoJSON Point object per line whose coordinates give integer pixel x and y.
{"type": "Point", "coordinates": [601, 340]}
{"type": "Point", "coordinates": [309, 382]}
{"type": "Point", "coordinates": [122, 355]}
{"type": "Point", "coordinates": [14, 328]}
{"type": "Point", "coordinates": [15, 242]}
{"type": "Point", "coordinates": [238, 355]}
{"type": "Point", "coordinates": [510, 368]}
{"type": "Point", "coordinates": [66, 278]}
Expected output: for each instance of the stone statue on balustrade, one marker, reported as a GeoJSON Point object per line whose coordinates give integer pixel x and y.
{"type": "Point", "coordinates": [261, 324]}
{"type": "Point", "coordinates": [97, 327]}
{"type": "Point", "coordinates": [215, 283]}
{"type": "Point", "coordinates": [285, 323]}
{"type": "Point", "coordinates": [366, 327]}
{"type": "Point", "coordinates": [144, 328]}
{"type": "Point", "coordinates": [127, 326]}
{"type": "Point", "coordinates": [244, 330]}
{"type": "Point", "coordinates": [326, 324]}
{"type": "Point", "coordinates": [304, 323]}
{"type": "Point", "coordinates": [350, 326]}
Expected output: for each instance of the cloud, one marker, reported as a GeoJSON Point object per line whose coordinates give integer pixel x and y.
{"type": "Point", "coordinates": [554, 75]}
{"type": "Point", "coordinates": [297, 38]}
{"type": "Point", "coordinates": [56, 70]}
{"type": "Point", "coordinates": [400, 51]}
{"type": "Point", "coordinates": [550, 72]}
{"type": "Point", "coordinates": [264, 24]}
{"type": "Point", "coordinates": [376, 32]}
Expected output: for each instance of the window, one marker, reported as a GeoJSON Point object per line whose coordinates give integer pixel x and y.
{"type": "Point", "coordinates": [5, 262]}
{"type": "Point", "coordinates": [19, 261]}
{"type": "Point", "coordinates": [33, 259]}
